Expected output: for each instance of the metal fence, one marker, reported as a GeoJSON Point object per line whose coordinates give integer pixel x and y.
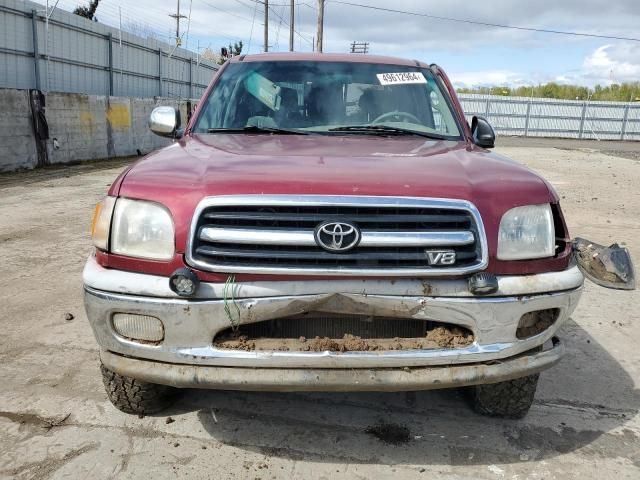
{"type": "Point", "coordinates": [543, 117]}
{"type": "Point", "coordinates": [68, 53]}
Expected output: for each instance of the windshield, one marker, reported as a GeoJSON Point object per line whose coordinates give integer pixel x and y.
{"type": "Point", "coordinates": [328, 98]}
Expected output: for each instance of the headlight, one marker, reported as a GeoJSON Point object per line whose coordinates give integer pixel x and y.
{"type": "Point", "coordinates": [526, 233]}
{"type": "Point", "coordinates": [102, 223]}
{"type": "Point", "coordinates": [142, 229]}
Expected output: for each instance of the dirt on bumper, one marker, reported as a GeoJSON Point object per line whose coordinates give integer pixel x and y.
{"type": "Point", "coordinates": [345, 380]}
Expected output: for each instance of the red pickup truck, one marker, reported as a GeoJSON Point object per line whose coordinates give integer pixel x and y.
{"type": "Point", "coordinates": [332, 222]}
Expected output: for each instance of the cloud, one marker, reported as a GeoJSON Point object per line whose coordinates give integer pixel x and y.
{"type": "Point", "coordinates": [387, 32]}
{"type": "Point", "coordinates": [607, 64]}
{"type": "Point", "coordinates": [215, 23]}
{"type": "Point", "coordinates": [616, 63]}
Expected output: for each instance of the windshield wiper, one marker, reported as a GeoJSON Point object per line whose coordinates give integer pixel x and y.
{"type": "Point", "coordinates": [256, 129]}
{"type": "Point", "coordinates": [385, 130]}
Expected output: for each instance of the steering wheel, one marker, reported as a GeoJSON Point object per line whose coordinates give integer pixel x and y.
{"type": "Point", "coordinates": [397, 114]}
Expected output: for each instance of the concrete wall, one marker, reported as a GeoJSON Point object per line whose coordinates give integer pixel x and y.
{"type": "Point", "coordinates": [17, 146]}
{"type": "Point", "coordinates": [86, 127]}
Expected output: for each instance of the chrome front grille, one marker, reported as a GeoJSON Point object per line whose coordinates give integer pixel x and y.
{"type": "Point", "coordinates": [277, 234]}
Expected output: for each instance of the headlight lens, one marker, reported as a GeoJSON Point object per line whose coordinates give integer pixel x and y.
{"type": "Point", "coordinates": [102, 222]}
{"type": "Point", "coordinates": [526, 233]}
{"type": "Point", "coordinates": [142, 229]}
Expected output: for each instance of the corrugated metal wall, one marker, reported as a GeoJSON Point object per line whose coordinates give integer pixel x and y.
{"type": "Point", "coordinates": [544, 117]}
{"type": "Point", "coordinates": [74, 54]}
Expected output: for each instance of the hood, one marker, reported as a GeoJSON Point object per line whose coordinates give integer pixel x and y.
{"type": "Point", "coordinates": [180, 175]}
{"type": "Point", "coordinates": [328, 165]}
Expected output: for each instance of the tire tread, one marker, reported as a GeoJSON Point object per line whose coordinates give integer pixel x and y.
{"type": "Point", "coordinates": [130, 395]}
{"type": "Point", "coordinates": [510, 399]}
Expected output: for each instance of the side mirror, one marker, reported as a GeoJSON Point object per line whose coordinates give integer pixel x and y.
{"type": "Point", "coordinates": [165, 121]}
{"type": "Point", "coordinates": [609, 267]}
{"type": "Point", "coordinates": [482, 133]}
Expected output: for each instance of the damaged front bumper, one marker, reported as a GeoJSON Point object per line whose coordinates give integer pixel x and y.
{"type": "Point", "coordinates": [187, 355]}
{"type": "Point", "coordinates": [334, 379]}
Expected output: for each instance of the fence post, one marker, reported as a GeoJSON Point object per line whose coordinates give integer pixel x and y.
{"type": "Point", "coordinates": [486, 109]}
{"type": "Point", "coordinates": [526, 120]}
{"type": "Point", "coordinates": [36, 53]}
{"type": "Point", "coordinates": [159, 72]}
{"type": "Point", "coordinates": [582, 117]}
{"type": "Point", "coordinates": [624, 121]}
{"type": "Point", "coordinates": [110, 51]}
{"type": "Point", "coordinates": [190, 77]}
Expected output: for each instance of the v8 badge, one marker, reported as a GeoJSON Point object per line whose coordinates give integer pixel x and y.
{"type": "Point", "coordinates": [441, 257]}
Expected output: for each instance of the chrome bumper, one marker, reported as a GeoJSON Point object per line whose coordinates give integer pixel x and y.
{"type": "Point", "coordinates": [336, 380]}
{"type": "Point", "coordinates": [191, 325]}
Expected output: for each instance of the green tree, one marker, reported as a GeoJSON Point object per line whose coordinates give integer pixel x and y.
{"type": "Point", "coordinates": [231, 51]}
{"type": "Point", "coordinates": [89, 11]}
{"type": "Point", "coordinates": [624, 92]}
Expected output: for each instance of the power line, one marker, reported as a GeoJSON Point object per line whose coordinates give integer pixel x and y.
{"type": "Point", "coordinates": [487, 24]}
{"type": "Point", "coordinates": [188, 25]}
{"type": "Point", "coordinates": [226, 11]}
{"type": "Point", "coordinates": [282, 20]}
{"type": "Point", "coordinates": [282, 4]}
{"type": "Point", "coordinates": [255, 9]}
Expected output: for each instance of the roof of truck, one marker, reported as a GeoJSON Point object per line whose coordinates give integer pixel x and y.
{"type": "Point", "coordinates": [326, 57]}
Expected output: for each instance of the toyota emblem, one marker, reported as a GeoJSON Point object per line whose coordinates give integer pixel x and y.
{"type": "Point", "coordinates": [337, 236]}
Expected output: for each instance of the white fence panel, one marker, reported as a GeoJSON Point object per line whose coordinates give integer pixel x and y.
{"type": "Point", "coordinates": [544, 117]}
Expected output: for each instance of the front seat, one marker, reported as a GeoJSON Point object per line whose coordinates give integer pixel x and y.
{"type": "Point", "coordinates": [289, 116]}
{"type": "Point", "coordinates": [325, 105]}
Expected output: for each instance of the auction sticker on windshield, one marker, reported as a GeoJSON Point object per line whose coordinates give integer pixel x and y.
{"type": "Point", "coordinates": [401, 78]}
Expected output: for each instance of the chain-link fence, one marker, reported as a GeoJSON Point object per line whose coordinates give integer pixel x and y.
{"type": "Point", "coordinates": [62, 52]}
{"type": "Point", "coordinates": [543, 117]}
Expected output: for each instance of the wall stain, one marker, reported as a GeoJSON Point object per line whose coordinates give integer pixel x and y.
{"type": "Point", "coordinates": [119, 116]}
{"type": "Point", "coordinates": [87, 121]}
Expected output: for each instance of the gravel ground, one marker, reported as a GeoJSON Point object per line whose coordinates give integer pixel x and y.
{"type": "Point", "coordinates": [55, 421]}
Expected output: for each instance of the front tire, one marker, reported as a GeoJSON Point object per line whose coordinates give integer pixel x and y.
{"type": "Point", "coordinates": [510, 399]}
{"type": "Point", "coordinates": [135, 396]}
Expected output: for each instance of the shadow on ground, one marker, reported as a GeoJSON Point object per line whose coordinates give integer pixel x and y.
{"type": "Point", "coordinates": [579, 402]}
{"type": "Point", "coordinates": [56, 172]}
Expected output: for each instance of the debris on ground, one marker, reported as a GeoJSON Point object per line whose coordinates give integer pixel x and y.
{"type": "Point", "coordinates": [69, 316]}
{"type": "Point", "coordinates": [51, 423]}
{"type": "Point", "coordinates": [169, 420]}
{"type": "Point", "coordinates": [390, 433]}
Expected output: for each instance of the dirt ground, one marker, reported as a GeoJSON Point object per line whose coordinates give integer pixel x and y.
{"type": "Point", "coordinates": [55, 421]}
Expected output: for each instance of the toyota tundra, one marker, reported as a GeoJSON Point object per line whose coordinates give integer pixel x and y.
{"type": "Point", "coordinates": [332, 222]}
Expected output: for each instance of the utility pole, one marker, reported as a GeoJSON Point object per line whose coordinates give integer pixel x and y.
{"type": "Point", "coordinates": [291, 28]}
{"type": "Point", "coordinates": [266, 25]}
{"type": "Point", "coordinates": [177, 16]}
{"type": "Point", "coordinates": [320, 25]}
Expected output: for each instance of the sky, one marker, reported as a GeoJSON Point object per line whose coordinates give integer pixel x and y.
{"type": "Point", "coordinates": [472, 55]}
